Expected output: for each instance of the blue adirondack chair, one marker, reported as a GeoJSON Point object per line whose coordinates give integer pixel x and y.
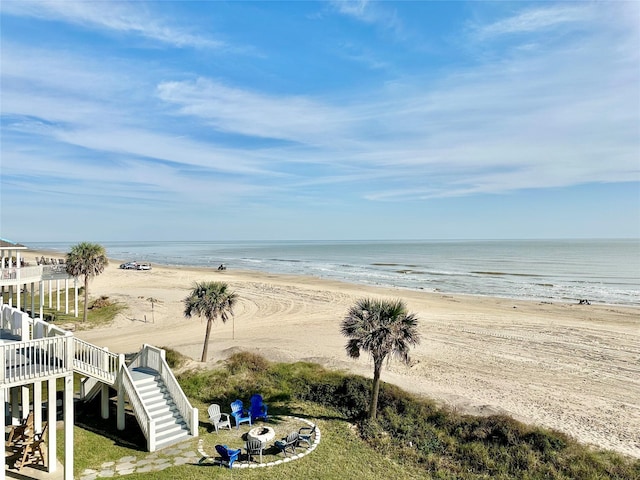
{"type": "Point", "coordinates": [229, 455]}
{"type": "Point", "coordinates": [240, 414]}
{"type": "Point", "coordinates": [258, 407]}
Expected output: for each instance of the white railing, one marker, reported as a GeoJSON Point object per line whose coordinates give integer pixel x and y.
{"type": "Point", "coordinates": [145, 421]}
{"type": "Point", "coordinates": [154, 357]}
{"type": "Point", "coordinates": [37, 349]}
{"type": "Point", "coordinates": [22, 273]}
{"type": "Point", "coordinates": [17, 276]}
{"type": "Point", "coordinates": [33, 359]}
{"type": "Point", "coordinates": [13, 321]}
{"type": "Point", "coordinates": [94, 361]}
{"type": "Point", "coordinates": [53, 272]}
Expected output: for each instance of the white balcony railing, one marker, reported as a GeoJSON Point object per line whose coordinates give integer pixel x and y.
{"type": "Point", "coordinates": [91, 360]}
{"type": "Point", "coordinates": [33, 359]}
{"type": "Point", "coordinates": [32, 274]}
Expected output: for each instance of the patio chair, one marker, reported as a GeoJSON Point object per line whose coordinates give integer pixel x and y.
{"type": "Point", "coordinates": [306, 434]}
{"type": "Point", "coordinates": [229, 455]}
{"type": "Point", "coordinates": [22, 432]}
{"type": "Point", "coordinates": [254, 447]}
{"type": "Point", "coordinates": [258, 408]}
{"type": "Point", "coordinates": [217, 418]}
{"type": "Point", "coordinates": [288, 443]}
{"type": "Point", "coordinates": [240, 414]}
{"type": "Point", "coordinates": [31, 451]}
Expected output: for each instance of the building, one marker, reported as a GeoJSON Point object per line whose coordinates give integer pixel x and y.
{"type": "Point", "coordinates": [35, 355]}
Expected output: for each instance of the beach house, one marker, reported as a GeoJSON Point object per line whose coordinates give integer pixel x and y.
{"type": "Point", "coordinates": [37, 358]}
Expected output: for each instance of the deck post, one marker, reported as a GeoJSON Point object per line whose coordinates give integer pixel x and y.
{"type": "Point", "coordinates": [24, 398]}
{"type": "Point", "coordinates": [50, 292]}
{"type": "Point", "coordinates": [120, 405]}
{"type": "Point", "coordinates": [75, 291]}
{"type": "Point", "coordinates": [37, 406]}
{"type": "Point", "coordinates": [52, 416]}
{"type": "Point", "coordinates": [42, 300]}
{"type": "Point", "coordinates": [104, 401]}
{"type": "Point", "coordinates": [3, 460]}
{"type": "Point", "coordinates": [66, 296]}
{"type": "Point", "coordinates": [68, 427]}
{"type": "Point", "coordinates": [33, 300]}
{"type": "Point", "coordinates": [57, 295]}
{"type": "Point", "coordinates": [16, 419]}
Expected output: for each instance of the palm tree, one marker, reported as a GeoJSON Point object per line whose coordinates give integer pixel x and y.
{"type": "Point", "coordinates": [210, 300]}
{"type": "Point", "coordinates": [384, 329]}
{"type": "Point", "coordinates": [89, 260]}
{"type": "Point", "coordinates": [153, 302]}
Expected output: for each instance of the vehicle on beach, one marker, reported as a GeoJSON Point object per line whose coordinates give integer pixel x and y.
{"type": "Point", "coordinates": [135, 266]}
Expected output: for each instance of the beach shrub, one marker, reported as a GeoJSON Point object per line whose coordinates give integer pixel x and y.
{"type": "Point", "coordinates": [174, 358]}
{"type": "Point", "coordinates": [348, 393]}
{"type": "Point", "coordinates": [409, 430]}
{"type": "Point", "coordinates": [101, 302]}
{"type": "Point", "coordinates": [246, 361]}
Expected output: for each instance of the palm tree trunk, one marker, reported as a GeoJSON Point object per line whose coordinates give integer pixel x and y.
{"type": "Point", "coordinates": [86, 297]}
{"type": "Point", "coordinates": [373, 409]}
{"type": "Point", "coordinates": [205, 349]}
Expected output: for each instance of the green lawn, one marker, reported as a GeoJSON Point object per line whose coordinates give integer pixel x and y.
{"type": "Point", "coordinates": [412, 438]}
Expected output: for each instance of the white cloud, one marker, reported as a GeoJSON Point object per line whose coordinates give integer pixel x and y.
{"type": "Point", "coordinates": [374, 13]}
{"type": "Point", "coordinates": [294, 118]}
{"type": "Point", "coordinates": [109, 15]}
{"type": "Point", "coordinates": [538, 19]}
{"type": "Point", "coordinates": [536, 119]}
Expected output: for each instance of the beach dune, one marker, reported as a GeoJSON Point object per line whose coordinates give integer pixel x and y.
{"type": "Point", "coordinates": [574, 368]}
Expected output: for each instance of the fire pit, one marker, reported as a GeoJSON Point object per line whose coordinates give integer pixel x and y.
{"type": "Point", "coordinates": [264, 434]}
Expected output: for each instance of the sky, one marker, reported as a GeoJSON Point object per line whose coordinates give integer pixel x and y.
{"type": "Point", "coordinates": [211, 120]}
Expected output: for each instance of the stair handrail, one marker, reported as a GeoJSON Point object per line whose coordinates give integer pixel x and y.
{"type": "Point", "coordinates": [146, 422]}
{"type": "Point", "coordinates": [155, 358]}
{"type": "Point", "coordinates": [95, 361]}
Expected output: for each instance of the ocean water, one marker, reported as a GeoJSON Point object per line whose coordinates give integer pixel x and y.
{"type": "Point", "coordinates": [601, 271]}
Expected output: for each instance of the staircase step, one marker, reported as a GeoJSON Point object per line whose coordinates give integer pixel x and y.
{"type": "Point", "coordinates": [172, 441]}
{"type": "Point", "coordinates": [170, 426]}
{"type": "Point", "coordinates": [168, 421]}
{"type": "Point", "coordinates": [170, 437]}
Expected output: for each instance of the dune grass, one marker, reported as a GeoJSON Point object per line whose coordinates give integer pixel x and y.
{"type": "Point", "coordinates": [101, 310]}
{"type": "Point", "coordinates": [412, 437]}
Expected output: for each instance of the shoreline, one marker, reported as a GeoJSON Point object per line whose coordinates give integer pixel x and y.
{"type": "Point", "coordinates": [209, 269]}
{"type": "Point", "coordinates": [565, 366]}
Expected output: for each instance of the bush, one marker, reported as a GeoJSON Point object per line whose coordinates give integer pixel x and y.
{"type": "Point", "coordinates": [411, 430]}
{"type": "Point", "coordinates": [349, 394]}
{"type": "Point", "coordinates": [174, 358]}
{"type": "Point", "coordinates": [101, 302]}
{"type": "Point", "coordinates": [246, 361]}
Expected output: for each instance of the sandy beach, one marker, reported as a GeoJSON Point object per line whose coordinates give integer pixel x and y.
{"type": "Point", "coordinates": [574, 368]}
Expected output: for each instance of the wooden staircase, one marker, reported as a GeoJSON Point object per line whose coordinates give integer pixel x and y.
{"type": "Point", "coordinates": [170, 427]}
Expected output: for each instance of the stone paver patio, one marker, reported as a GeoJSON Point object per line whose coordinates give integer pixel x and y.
{"type": "Point", "coordinates": [182, 454]}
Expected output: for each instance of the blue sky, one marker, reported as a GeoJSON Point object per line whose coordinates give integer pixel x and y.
{"type": "Point", "coordinates": [319, 120]}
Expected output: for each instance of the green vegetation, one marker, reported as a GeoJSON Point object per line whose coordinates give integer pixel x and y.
{"type": "Point", "coordinates": [383, 329]}
{"type": "Point", "coordinates": [412, 437]}
{"type": "Point", "coordinates": [210, 300]}
{"type": "Point", "coordinates": [101, 311]}
{"type": "Point", "coordinates": [87, 260]}
{"type": "Point", "coordinates": [174, 358]}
